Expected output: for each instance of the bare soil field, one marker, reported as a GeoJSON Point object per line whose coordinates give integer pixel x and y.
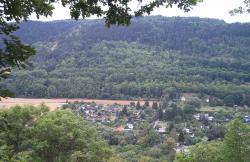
{"type": "Point", "coordinates": [56, 103]}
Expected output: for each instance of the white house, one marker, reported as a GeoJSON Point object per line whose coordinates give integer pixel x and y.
{"type": "Point", "coordinates": [187, 130]}
{"type": "Point", "coordinates": [183, 149]}
{"type": "Point", "coordinates": [162, 130]}
{"type": "Point", "coordinates": [210, 118]}
{"type": "Point", "coordinates": [130, 126]}
{"type": "Point", "coordinates": [197, 116]}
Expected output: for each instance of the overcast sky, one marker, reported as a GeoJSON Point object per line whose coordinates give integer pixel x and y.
{"type": "Point", "coordinates": [207, 9]}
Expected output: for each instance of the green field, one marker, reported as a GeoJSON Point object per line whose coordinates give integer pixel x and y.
{"type": "Point", "coordinates": [216, 109]}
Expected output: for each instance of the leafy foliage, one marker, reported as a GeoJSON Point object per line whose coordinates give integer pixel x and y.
{"type": "Point", "coordinates": [14, 53]}
{"type": "Point", "coordinates": [34, 134]}
{"type": "Point", "coordinates": [235, 147]}
{"type": "Point", "coordinates": [85, 59]}
{"type": "Point", "coordinates": [237, 142]}
{"type": "Point", "coordinates": [245, 8]}
{"type": "Point", "coordinates": [206, 152]}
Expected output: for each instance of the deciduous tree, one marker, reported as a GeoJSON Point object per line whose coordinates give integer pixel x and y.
{"type": "Point", "coordinates": [237, 141]}
{"type": "Point", "coordinates": [245, 8]}
{"type": "Point", "coordinates": [14, 53]}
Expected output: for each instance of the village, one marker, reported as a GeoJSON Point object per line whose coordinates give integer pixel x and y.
{"type": "Point", "coordinates": [195, 126]}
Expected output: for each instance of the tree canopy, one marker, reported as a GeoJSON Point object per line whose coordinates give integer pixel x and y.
{"type": "Point", "coordinates": [244, 8]}
{"type": "Point", "coordinates": [14, 53]}
{"type": "Point", "coordinates": [235, 147]}
{"type": "Point", "coordinates": [84, 59]}
{"type": "Point", "coordinates": [35, 134]}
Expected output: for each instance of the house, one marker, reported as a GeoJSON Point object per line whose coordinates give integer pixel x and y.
{"type": "Point", "coordinates": [130, 126]}
{"type": "Point", "coordinates": [247, 119]}
{"type": "Point", "coordinates": [119, 129]}
{"type": "Point", "coordinates": [183, 149]}
{"type": "Point", "coordinates": [210, 118]}
{"type": "Point", "coordinates": [183, 98]}
{"type": "Point", "coordinates": [162, 130]}
{"type": "Point", "coordinates": [188, 131]}
{"type": "Point", "coordinates": [82, 107]}
{"type": "Point", "coordinates": [197, 116]}
{"type": "Point", "coordinates": [87, 111]}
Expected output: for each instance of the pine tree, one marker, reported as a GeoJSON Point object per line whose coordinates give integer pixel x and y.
{"type": "Point", "coordinates": [138, 105]}
{"type": "Point", "coordinates": [160, 114]}
{"type": "Point", "coordinates": [181, 137]}
{"type": "Point", "coordinates": [155, 105]}
{"type": "Point", "coordinates": [146, 104]}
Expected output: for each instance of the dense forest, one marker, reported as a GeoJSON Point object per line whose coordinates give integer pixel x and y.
{"type": "Point", "coordinates": [154, 56]}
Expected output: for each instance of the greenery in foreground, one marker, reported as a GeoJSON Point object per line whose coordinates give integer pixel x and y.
{"type": "Point", "coordinates": [234, 147]}
{"type": "Point", "coordinates": [35, 134]}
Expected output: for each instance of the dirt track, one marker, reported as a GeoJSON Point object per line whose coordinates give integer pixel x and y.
{"type": "Point", "coordinates": [57, 102]}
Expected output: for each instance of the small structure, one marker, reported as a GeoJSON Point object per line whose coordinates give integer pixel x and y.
{"type": "Point", "coordinates": [130, 126]}
{"type": "Point", "coordinates": [247, 119]}
{"type": "Point", "coordinates": [210, 118]}
{"type": "Point", "coordinates": [119, 129]}
{"type": "Point", "coordinates": [162, 130]}
{"type": "Point", "coordinates": [197, 116]}
{"type": "Point", "coordinates": [186, 130]}
{"type": "Point", "coordinates": [182, 149]}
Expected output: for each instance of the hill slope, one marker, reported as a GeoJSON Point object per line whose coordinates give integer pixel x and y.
{"type": "Point", "coordinates": [152, 57]}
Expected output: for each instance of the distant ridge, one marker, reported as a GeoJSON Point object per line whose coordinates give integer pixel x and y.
{"type": "Point", "coordinates": [154, 56]}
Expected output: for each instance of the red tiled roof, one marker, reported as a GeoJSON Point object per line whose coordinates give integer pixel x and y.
{"type": "Point", "coordinates": [119, 129]}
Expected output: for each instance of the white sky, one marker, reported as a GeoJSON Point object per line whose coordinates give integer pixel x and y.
{"type": "Point", "coordinates": [207, 9]}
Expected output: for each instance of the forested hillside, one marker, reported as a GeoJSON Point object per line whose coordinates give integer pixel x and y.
{"type": "Point", "coordinates": [152, 57]}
